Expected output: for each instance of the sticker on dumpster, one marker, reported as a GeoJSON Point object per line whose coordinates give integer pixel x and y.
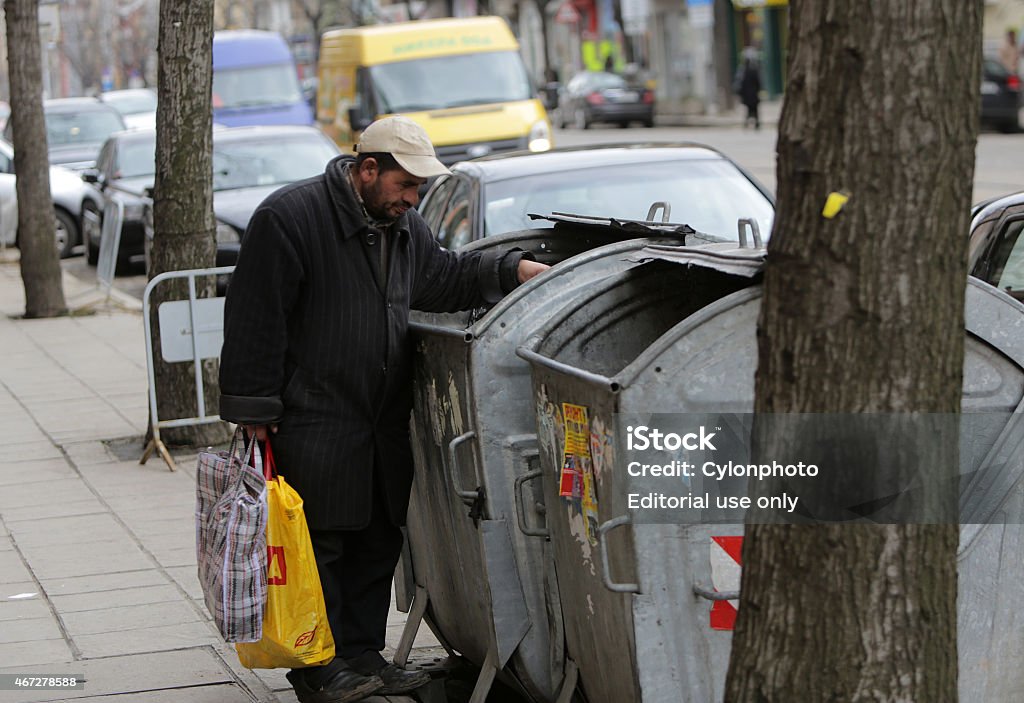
{"type": "Point", "coordinates": [577, 480]}
{"type": "Point", "coordinates": [725, 576]}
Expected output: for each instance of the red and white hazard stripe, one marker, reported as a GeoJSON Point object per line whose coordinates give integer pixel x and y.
{"type": "Point", "coordinates": [726, 566]}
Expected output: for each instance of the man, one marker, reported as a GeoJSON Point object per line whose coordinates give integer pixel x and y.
{"type": "Point", "coordinates": [1009, 52]}
{"type": "Point", "coordinates": [316, 357]}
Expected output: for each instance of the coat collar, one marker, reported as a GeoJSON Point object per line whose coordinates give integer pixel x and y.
{"type": "Point", "coordinates": [346, 205]}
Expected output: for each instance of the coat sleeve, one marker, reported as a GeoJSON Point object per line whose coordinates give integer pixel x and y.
{"type": "Point", "coordinates": [446, 281]}
{"type": "Point", "coordinates": [262, 292]}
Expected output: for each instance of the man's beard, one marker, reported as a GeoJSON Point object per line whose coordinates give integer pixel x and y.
{"type": "Point", "coordinates": [375, 207]}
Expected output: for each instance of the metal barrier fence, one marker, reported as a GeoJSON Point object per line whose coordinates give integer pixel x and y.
{"type": "Point", "coordinates": [191, 329]}
{"type": "Point", "coordinates": [110, 243]}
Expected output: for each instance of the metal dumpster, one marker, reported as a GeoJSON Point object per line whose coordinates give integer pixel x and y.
{"type": "Point", "coordinates": [634, 622]}
{"type": "Point", "coordinates": [487, 588]}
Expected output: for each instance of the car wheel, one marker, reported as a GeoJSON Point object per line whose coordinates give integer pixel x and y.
{"type": "Point", "coordinates": [580, 120]}
{"type": "Point", "coordinates": [649, 122]}
{"type": "Point", "coordinates": [66, 232]}
{"type": "Point", "coordinates": [624, 124]}
{"type": "Point", "coordinates": [92, 249]}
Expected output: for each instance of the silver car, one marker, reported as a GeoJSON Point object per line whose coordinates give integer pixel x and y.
{"type": "Point", "coordinates": [67, 191]}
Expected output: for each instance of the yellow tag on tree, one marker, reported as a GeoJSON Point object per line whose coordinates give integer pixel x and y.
{"type": "Point", "coordinates": [295, 628]}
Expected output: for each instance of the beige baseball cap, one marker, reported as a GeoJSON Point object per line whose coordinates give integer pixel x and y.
{"type": "Point", "coordinates": [406, 141]}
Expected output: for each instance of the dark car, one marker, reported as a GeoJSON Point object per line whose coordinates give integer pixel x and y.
{"type": "Point", "coordinates": [996, 244]}
{"type": "Point", "coordinates": [124, 169]}
{"type": "Point", "coordinates": [596, 96]}
{"type": "Point", "coordinates": [699, 186]}
{"type": "Point", "coordinates": [249, 163]}
{"type": "Point", "coordinates": [1000, 97]}
{"type": "Point", "coordinates": [76, 129]}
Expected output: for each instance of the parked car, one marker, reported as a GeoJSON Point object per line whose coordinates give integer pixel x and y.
{"type": "Point", "coordinates": [1000, 96]}
{"type": "Point", "coordinates": [66, 190]}
{"type": "Point", "coordinates": [136, 105]}
{"type": "Point", "coordinates": [76, 129]}
{"type": "Point", "coordinates": [996, 245]}
{"type": "Point", "coordinates": [701, 187]}
{"type": "Point", "coordinates": [248, 164]}
{"type": "Point", "coordinates": [596, 96]}
{"type": "Point", "coordinates": [125, 168]}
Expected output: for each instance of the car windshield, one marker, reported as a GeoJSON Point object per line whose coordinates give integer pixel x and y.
{"type": "Point", "coordinates": [710, 196]}
{"type": "Point", "coordinates": [450, 81]}
{"type": "Point", "coordinates": [136, 159]}
{"type": "Point", "coordinates": [251, 87]}
{"type": "Point", "coordinates": [272, 161]}
{"type": "Point", "coordinates": [63, 128]}
{"type": "Point", "coordinates": [131, 103]}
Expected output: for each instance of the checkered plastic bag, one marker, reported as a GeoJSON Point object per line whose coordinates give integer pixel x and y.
{"type": "Point", "coordinates": [231, 539]}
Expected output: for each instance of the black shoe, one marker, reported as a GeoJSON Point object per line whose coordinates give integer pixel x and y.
{"type": "Point", "coordinates": [345, 686]}
{"type": "Point", "coordinates": [398, 680]}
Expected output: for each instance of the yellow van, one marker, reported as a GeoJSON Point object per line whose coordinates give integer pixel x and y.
{"type": "Point", "coordinates": [463, 80]}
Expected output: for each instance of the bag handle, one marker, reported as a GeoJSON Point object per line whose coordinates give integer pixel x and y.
{"type": "Point", "coordinates": [269, 467]}
{"type": "Point", "coordinates": [249, 449]}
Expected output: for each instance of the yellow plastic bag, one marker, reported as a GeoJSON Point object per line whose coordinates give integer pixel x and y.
{"type": "Point", "coordinates": [295, 628]}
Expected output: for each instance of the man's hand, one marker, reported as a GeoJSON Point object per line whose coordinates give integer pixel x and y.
{"type": "Point", "coordinates": [261, 431]}
{"type": "Point", "coordinates": [528, 269]}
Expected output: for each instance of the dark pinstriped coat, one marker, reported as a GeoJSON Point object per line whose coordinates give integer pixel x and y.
{"type": "Point", "coordinates": [314, 339]}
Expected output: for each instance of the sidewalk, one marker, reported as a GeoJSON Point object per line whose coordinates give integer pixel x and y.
{"type": "Point", "coordinates": [769, 111]}
{"type": "Point", "coordinates": [97, 552]}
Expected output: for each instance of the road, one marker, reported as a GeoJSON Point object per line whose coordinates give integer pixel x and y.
{"type": "Point", "coordinates": [997, 167]}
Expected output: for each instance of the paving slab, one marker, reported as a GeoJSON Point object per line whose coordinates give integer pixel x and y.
{"type": "Point", "coordinates": [188, 579]}
{"type": "Point", "coordinates": [178, 556]}
{"type": "Point", "coordinates": [34, 471]}
{"type": "Point", "coordinates": [92, 583]}
{"type": "Point", "coordinates": [83, 558]}
{"type": "Point", "coordinates": [147, 639]}
{"type": "Point", "coordinates": [87, 453]}
{"type": "Point", "coordinates": [96, 527]}
{"type": "Point", "coordinates": [23, 609]}
{"type": "Point", "coordinates": [29, 630]}
{"type": "Point", "coordinates": [41, 512]}
{"type": "Point", "coordinates": [221, 693]}
{"type": "Point", "coordinates": [17, 590]}
{"type": "Point", "coordinates": [134, 674]}
{"type": "Point", "coordinates": [33, 493]}
{"type": "Point", "coordinates": [115, 598]}
{"type": "Point", "coordinates": [12, 568]}
{"type": "Point", "coordinates": [129, 617]}
{"type": "Point", "coordinates": [35, 448]}
{"type": "Point", "coordinates": [42, 652]}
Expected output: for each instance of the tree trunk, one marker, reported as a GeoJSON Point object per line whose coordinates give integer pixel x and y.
{"type": "Point", "coordinates": [723, 50]}
{"type": "Point", "coordinates": [863, 313]}
{"type": "Point", "coordinates": [40, 264]}
{"type": "Point", "coordinates": [545, 28]}
{"type": "Point", "coordinates": [184, 236]}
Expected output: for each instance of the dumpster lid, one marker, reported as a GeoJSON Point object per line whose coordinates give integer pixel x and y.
{"type": "Point", "coordinates": [727, 257]}
{"type": "Point", "coordinates": [637, 228]}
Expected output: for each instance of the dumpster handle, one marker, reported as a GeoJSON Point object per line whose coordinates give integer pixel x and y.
{"type": "Point", "coordinates": [665, 208]}
{"type": "Point", "coordinates": [452, 446]}
{"type": "Point", "coordinates": [606, 573]}
{"type": "Point", "coordinates": [521, 505]}
{"type": "Point", "coordinates": [715, 595]}
{"type": "Point", "coordinates": [754, 229]}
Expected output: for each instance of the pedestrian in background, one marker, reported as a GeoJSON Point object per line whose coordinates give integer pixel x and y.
{"type": "Point", "coordinates": [1009, 52]}
{"type": "Point", "coordinates": [748, 86]}
{"type": "Point", "coordinates": [316, 356]}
